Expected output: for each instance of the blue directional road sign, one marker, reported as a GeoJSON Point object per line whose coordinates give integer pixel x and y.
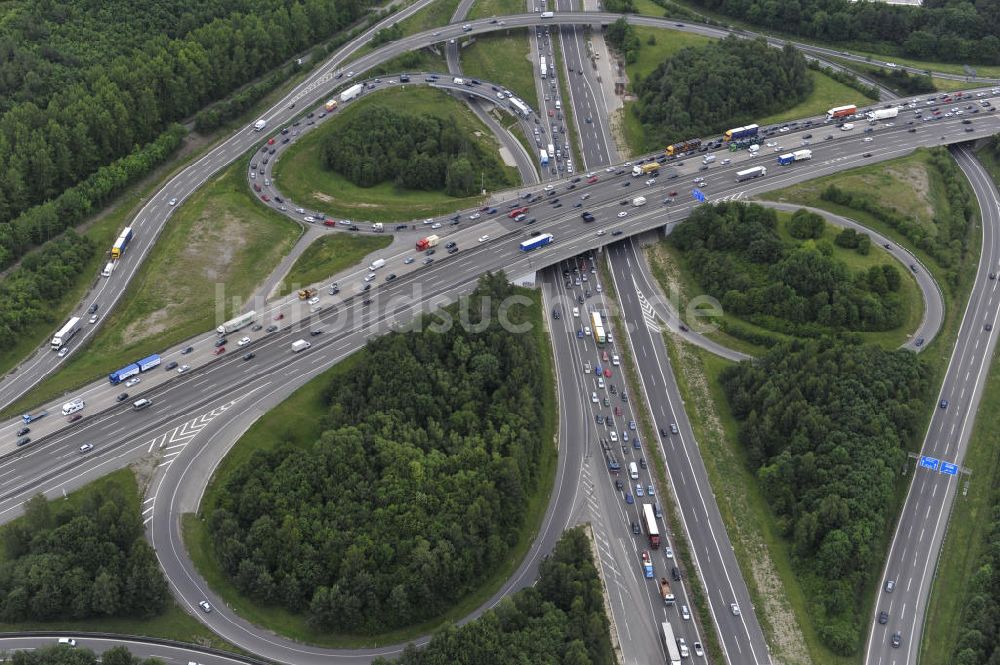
{"type": "Point", "coordinates": [949, 468]}
{"type": "Point", "coordinates": [929, 462]}
{"type": "Point", "coordinates": [697, 194]}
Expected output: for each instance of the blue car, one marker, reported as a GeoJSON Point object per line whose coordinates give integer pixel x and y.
{"type": "Point", "coordinates": [628, 498]}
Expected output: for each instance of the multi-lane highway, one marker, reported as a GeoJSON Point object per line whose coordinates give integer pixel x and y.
{"type": "Point", "coordinates": [211, 390]}
{"type": "Point", "coordinates": [917, 540]}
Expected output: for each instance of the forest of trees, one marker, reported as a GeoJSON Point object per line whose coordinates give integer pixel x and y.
{"type": "Point", "coordinates": [62, 655]}
{"type": "Point", "coordinates": [735, 253]}
{"type": "Point", "coordinates": [705, 90]}
{"type": "Point", "coordinates": [948, 241]}
{"type": "Point", "coordinates": [825, 425]}
{"type": "Point", "coordinates": [412, 151]}
{"type": "Point", "coordinates": [84, 84]}
{"type": "Point", "coordinates": [28, 290]}
{"type": "Point", "coordinates": [558, 621]}
{"type": "Point", "coordinates": [945, 30]}
{"type": "Point", "coordinates": [91, 561]}
{"type": "Point", "coordinates": [415, 489]}
{"type": "Point", "coordinates": [979, 636]}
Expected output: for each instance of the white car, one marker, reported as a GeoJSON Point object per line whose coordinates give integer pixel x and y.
{"type": "Point", "coordinates": [623, 214]}
{"type": "Point", "coordinates": [771, 144]}
{"type": "Point", "coordinates": [133, 381]}
{"type": "Point", "coordinates": [616, 361]}
{"type": "Point", "coordinates": [601, 232]}
{"type": "Point", "coordinates": [549, 188]}
{"type": "Point", "coordinates": [85, 448]}
{"type": "Point", "coordinates": [183, 368]}
{"type": "Point", "coordinates": [484, 238]}
{"type": "Point", "coordinates": [436, 225]}
{"type": "Point", "coordinates": [735, 609]}
{"type": "Point", "coordinates": [206, 608]}
{"type": "Point", "coordinates": [243, 341]}
{"type": "Point", "coordinates": [669, 552]}
{"type": "Point", "coordinates": [369, 277]}
{"type": "Point", "coordinates": [63, 351]}
{"type": "Point", "coordinates": [698, 650]}
{"type": "Point", "coordinates": [173, 201]}
{"type": "Point", "coordinates": [93, 318]}
{"type": "Point", "coordinates": [651, 181]}
{"type": "Point", "coordinates": [408, 260]}
{"type": "Point", "coordinates": [783, 129]}
{"type": "Point", "coordinates": [610, 169]}
{"type": "Point", "coordinates": [891, 65]}
{"type": "Point", "coordinates": [314, 300]}
{"type": "Point", "coordinates": [310, 218]}
{"type": "Point", "coordinates": [593, 398]}
{"type": "Point", "coordinates": [474, 215]}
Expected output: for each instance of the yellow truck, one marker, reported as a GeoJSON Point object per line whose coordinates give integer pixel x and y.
{"type": "Point", "coordinates": [305, 294]}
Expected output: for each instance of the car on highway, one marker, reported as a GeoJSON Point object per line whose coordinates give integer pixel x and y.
{"type": "Point", "coordinates": [170, 365]}
{"type": "Point", "coordinates": [313, 300]}
{"type": "Point", "coordinates": [650, 491]}
{"type": "Point", "coordinates": [86, 448]}
{"type": "Point", "coordinates": [219, 351]}
{"type": "Point", "coordinates": [243, 341]}
{"type": "Point", "coordinates": [250, 356]}
{"type": "Point", "coordinates": [638, 490]}
{"type": "Point", "coordinates": [890, 585]}
{"type": "Point", "coordinates": [897, 639]}
{"type": "Point", "coordinates": [63, 351]}
{"type": "Point", "coordinates": [735, 609]}
{"type": "Point", "coordinates": [205, 607]}
{"type": "Point", "coordinates": [484, 238]}
{"type": "Point", "coordinates": [93, 319]}
{"type": "Point", "coordinates": [883, 617]}
{"type": "Point", "coordinates": [628, 498]}
{"type": "Point", "coordinates": [944, 404]}
{"type": "Point", "coordinates": [183, 369]}
{"type": "Point", "coordinates": [173, 201]}
{"type": "Point", "coordinates": [75, 417]}
{"type": "Point", "coordinates": [133, 381]}
{"type": "Point", "coordinates": [271, 328]}
{"type": "Point", "coordinates": [623, 213]}
{"type": "Point", "coordinates": [408, 260]}
{"type": "Point", "coordinates": [636, 529]}
{"type": "Point", "coordinates": [698, 649]}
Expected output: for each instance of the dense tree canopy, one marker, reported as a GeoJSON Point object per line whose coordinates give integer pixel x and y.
{"type": "Point", "coordinates": [825, 424]}
{"type": "Point", "coordinates": [735, 253]}
{"type": "Point", "coordinates": [948, 30]}
{"type": "Point", "coordinates": [979, 636]}
{"type": "Point", "coordinates": [28, 291]}
{"type": "Point", "coordinates": [415, 489]}
{"type": "Point", "coordinates": [84, 83]}
{"type": "Point", "coordinates": [561, 620]}
{"type": "Point", "coordinates": [68, 562]}
{"type": "Point", "coordinates": [412, 151]}
{"type": "Point", "coordinates": [707, 89]}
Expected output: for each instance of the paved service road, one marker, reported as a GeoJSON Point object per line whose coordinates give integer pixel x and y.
{"type": "Point", "coordinates": [916, 543]}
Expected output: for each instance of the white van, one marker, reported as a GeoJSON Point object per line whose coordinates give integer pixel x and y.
{"type": "Point", "coordinates": [73, 406]}
{"type": "Point", "coordinates": [108, 269]}
{"type": "Point", "coordinates": [576, 312]}
{"type": "Point", "coordinates": [376, 264]}
{"type": "Point", "coordinates": [633, 471]}
{"type": "Point", "coordinates": [141, 404]}
{"type": "Point", "coordinates": [558, 104]}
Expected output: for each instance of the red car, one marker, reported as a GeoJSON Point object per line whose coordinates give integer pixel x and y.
{"type": "Point", "coordinates": [517, 211]}
{"type": "Point", "coordinates": [592, 179]}
{"type": "Point", "coordinates": [329, 222]}
{"type": "Point", "coordinates": [279, 317]}
{"type": "Point", "coordinates": [219, 351]}
{"type": "Point", "coordinates": [75, 417]}
{"type": "Point", "coordinates": [256, 187]}
{"type": "Point", "coordinates": [270, 141]}
{"type": "Point", "coordinates": [551, 113]}
{"type": "Point", "coordinates": [607, 373]}
{"type": "Point", "coordinates": [265, 198]}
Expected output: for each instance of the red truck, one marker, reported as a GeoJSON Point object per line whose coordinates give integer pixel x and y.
{"type": "Point", "coordinates": [427, 243]}
{"type": "Point", "coordinates": [517, 211]}
{"type": "Point", "coordinates": [329, 222]}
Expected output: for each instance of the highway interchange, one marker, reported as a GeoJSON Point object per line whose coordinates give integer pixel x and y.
{"type": "Point", "coordinates": [199, 415]}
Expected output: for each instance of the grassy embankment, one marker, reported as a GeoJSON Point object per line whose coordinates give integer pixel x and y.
{"type": "Point", "coordinates": [304, 179]}
{"type": "Point", "coordinates": [970, 518]}
{"type": "Point", "coordinates": [329, 255]}
{"type": "Point", "coordinates": [764, 556]}
{"type": "Point", "coordinates": [298, 421]}
{"type": "Point", "coordinates": [173, 624]}
{"type": "Point", "coordinates": [826, 92]}
{"type": "Point", "coordinates": [222, 239]}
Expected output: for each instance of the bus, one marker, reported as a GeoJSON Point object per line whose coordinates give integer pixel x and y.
{"type": "Point", "coordinates": [542, 66]}
{"type": "Point", "coordinates": [598, 327]}
{"type": "Point", "coordinates": [651, 528]}
{"type": "Point", "coordinates": [673, 656]}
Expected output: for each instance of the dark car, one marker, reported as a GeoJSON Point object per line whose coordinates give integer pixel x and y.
{"type": "Point", "coordinates": [75, 417]}
{"type": "Point", "coordinates": [250, 356]}
{"type": "Point", "coordinates": [313, 333]}
{"type": "Point", "coordinates": [220, 342]}
{"type": "Point", "coordinates": [617, 232]}
{"type": "Point", "coordinates": [450, 244]}
{"type": "Point", "coordinates": [636, 529]}
{"type": "Point", "coordinates": [23, 431]}
{"type": "Point", "coordinates": [93, 308]}
{"type": "Point", "coordinates": [366, 301]}
{"type": "Point", "coordinates": [883, 617]}
{"type": "Point", "coordinates": [122, 397]}
{"type": "Point", "coordinates": [23, 441]}
{"type": "Point", "coordinates": [897, 639]}
{"type": "Point", "coordinates": [391, 276]}
{"type": "Point", "coordinates": [676, 574]}
{"type": "Point", "coordinates": [619, 485]}
{"type": "Point", "coordinates": [867, 154]}
{"type": "Point", "coordinates": [642, 462]}
{"type": "Point", "coordinates": [170, 365]}
{"type": "Point", "coordinates": [452, 250]}
{"type": "Point", "coordinates": [271, 328]}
